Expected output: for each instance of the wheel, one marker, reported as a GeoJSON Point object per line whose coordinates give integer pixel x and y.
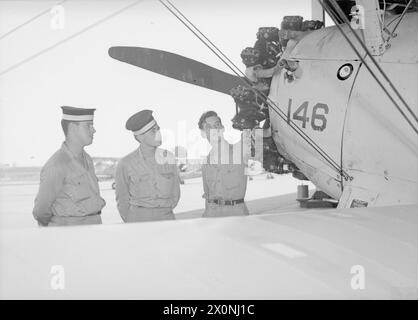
{"type": "Point", "coordinates": [114, 185]}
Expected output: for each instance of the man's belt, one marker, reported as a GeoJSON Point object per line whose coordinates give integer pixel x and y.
{"type": "Point", "coordinates": [226, 202]}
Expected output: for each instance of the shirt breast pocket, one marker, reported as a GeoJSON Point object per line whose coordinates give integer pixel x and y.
{"type": "Point", "coordinates": [210, 174]}
{"type": "Point", "coordinates": [165, 183]}
{"type": "Point", "coordinates": [77, 188]}
{"type": "Point", "coordinates": [141, 184]}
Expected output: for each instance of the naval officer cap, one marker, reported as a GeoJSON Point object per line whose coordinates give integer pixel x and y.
{"type": "Point", "coordinates": [77, 114]}
{"type": "Point", "coordinates": [141, 122]}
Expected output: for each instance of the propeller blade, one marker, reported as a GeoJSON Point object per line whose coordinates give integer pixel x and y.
{"type": "Point", "coordinates": [177, 67]}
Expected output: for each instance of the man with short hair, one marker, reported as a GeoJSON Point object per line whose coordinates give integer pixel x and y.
{"type": "Point", "coordinates": [147, 180]}
{"type": "Point", "coordinates": [224, 175]}
{"type": "Point", "coordinates": [69, 191]}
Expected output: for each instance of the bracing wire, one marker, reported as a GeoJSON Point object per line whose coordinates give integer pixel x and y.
{"type": "Point", "coordinates": [340, 12]}
{"type": "Point", "coordinates": [331, 14]}
{"type": "Point", "coordinates": [13, 30]}
{"type": "Point", "coordinates": [78, 33]}
{"type": "Point", "coordinates": [247, 82]}
{"type": "Point", "coordinates": [401, 17]}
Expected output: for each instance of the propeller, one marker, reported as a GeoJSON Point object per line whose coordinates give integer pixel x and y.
{"type": "Point", "coordinates": [177, 67]}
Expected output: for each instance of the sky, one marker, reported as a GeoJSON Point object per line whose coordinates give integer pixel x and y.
{"type": "Point", "coordinates": [79, 72]}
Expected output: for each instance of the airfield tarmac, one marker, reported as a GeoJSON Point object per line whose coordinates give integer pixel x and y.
{"type": "Point", "coordinates": [263, 196]}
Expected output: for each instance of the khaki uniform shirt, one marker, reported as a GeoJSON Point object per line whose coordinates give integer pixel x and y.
{"type": "Point", "coordinates": [144, 189]}
{"type": "Point", "coordinates": [68, 192]}
{"type": "Point", "coordinates": [225, 180]}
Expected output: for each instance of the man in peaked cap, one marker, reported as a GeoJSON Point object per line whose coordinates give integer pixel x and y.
{"type": "Point", "coordinates": [69, 191]}
{"type": "Point", "coordinates": [147, 180]}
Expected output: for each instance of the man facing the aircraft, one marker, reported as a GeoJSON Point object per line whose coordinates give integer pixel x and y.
{"type": "Point", "coordinates": [68, 191]}
{"type": "Point", "coordinates": [224, 175]}
{"type": "Point", "coordinates": [147, 180]}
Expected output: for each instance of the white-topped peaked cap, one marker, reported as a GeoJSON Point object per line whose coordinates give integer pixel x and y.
{"type": "Point", "coordinates": [77, 114]}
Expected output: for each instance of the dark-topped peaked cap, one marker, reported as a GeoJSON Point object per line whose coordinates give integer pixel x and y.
{"type": "Point", "coordinates": [141, 122]}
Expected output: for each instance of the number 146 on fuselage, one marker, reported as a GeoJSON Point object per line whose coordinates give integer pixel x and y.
{"type": "Point", "coordinates": [317, 120]}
